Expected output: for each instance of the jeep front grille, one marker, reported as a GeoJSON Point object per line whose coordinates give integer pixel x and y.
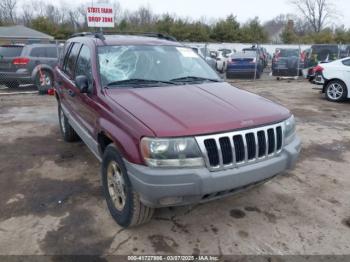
{"type": "Point", "coordinates": [233, 149]}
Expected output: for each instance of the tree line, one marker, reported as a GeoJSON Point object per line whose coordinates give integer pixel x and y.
{"type": "Point", "coordinates": [310, 26]}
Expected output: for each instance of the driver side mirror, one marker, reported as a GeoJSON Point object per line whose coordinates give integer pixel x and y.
{"type": "Point", "coordinates": [82, 83]}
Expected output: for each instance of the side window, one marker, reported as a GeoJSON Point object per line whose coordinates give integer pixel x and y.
{"type": "Point", "coordinates": [84, 64]}
{"type": "Point", "coordinates": [37, 52]}
{"type": "Point", "coordinates": [51, 52]}
{"type": "Point", "coordinates": [64, 55]}
{"type": "Point", "coordinates": [71, 60]}
{"type": "Point", "coordinates": [346, 62]}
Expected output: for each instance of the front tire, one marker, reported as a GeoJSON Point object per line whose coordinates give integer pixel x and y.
{"type": "Point", "coordinates": [67, 131]}
{"type": "Point", "coordinates": [336, 91]}
{"type": "Point", "coordinates": [123, 202]}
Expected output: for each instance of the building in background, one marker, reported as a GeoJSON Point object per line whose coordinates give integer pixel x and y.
{"type": "Point", "coordinates": [19, 34]}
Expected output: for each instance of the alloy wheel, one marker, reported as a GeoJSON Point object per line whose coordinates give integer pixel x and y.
{"type": "Point", "coordinates": [116, 185]}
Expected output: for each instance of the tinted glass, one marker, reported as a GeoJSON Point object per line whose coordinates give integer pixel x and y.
{"type": "Point", "coordinates": [160, 63]}
{"type": "Point", "coordinates": [72, 58]}
{"type": "Point", "coordinates": [51, 52]}
{"type": "Point", "coordinates": [346, 62]}
{"type": "Point", "coordinates": [38, 52]}
{"type": "Point", "coordinates": [10, 51]}
{"type": "Point", "coordinates": [289, 52]}
{"type": "Point", "coordinates": [84, 64]}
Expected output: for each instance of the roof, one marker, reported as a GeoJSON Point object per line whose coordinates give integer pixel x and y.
{"type": "Point", "coordinates": [127, 40]}
{"type": "Point", "coordinates": [22, 32]}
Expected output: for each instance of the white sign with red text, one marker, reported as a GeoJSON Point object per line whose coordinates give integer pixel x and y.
{"type": "Point", "coordinates": [100, 15]}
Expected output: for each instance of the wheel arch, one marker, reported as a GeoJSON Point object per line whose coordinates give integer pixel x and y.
{"type": "Point", "coordinates": [331, 80]}
{"type": "Point", "coordinates": [124, 143]}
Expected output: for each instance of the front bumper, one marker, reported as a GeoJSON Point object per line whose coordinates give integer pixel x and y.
{"type": "Point", "coordinates": [173, 187]}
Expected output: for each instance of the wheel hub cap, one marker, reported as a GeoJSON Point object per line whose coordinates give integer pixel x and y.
{"type": "Point", "coordinates": [335, 91]}
{"type": "Point", "coordinates": [116, 185]}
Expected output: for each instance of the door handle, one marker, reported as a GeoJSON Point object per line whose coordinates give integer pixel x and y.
{"type": "Point", "coordinates": [71, 93]}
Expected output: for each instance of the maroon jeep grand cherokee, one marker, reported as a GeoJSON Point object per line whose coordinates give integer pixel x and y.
{"type": "Point", "coordinates": [167, 129]}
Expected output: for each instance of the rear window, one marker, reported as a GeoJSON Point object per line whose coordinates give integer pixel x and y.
{"type": "Point", "coordinates": [289, 52]}
{"type": "Point", "coordinates": [10, 51]}
{"type": "Point", "coordinates": [325, 52]}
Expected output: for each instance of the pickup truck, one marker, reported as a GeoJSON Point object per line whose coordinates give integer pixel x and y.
{"type": "Point", "coordinates": [167, 129]}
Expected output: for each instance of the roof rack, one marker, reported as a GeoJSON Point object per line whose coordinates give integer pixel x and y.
{"type": "Point", "coordinates": [100, 35]}
{"type": "Point", "coordinates": [96, 35]}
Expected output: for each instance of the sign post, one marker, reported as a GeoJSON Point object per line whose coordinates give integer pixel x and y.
{"type": "Point", "coordinates": [100, 15]}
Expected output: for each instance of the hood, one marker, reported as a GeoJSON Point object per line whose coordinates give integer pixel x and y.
{"type": "Point", "coordinates": [197, 109]}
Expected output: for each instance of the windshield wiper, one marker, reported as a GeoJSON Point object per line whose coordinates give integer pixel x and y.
{"type": "Point", "coordinates": [137, 81]}
{"type": "Point", "coordinates": [194, 79]}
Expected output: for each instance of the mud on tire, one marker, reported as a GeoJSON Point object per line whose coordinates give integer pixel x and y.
{"type": "Point", "coordinates": [130, 211]}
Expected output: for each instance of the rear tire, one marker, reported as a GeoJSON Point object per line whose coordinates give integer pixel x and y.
{"type": "Point", "coordinates": [123, 202]}
{"type": "Point", "coordinates": [67, 131]}
{"type": "Point", "coordinates": [336, 91]}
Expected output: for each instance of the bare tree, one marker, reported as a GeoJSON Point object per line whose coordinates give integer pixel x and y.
{"type": "Point", "coordinates": [317, 13]}
{"type": "Point", "coordinates": [9, 16]}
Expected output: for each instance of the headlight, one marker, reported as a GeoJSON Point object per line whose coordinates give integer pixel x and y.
{"type": "Point", "coordinates": [171, 152]}
{"type": "Point", "coordinates": [289, 130]}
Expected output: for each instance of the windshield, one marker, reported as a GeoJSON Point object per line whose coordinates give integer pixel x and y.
{"type": "Point", "coordinates": [153, 63]}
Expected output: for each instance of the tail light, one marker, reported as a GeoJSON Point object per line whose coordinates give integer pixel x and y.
{"type": "Point", "coordinates": [20, 61]}
{"type": "Point", "coordinates": [318, 69]}
{"type": "Point", "coordinates": [253, 61]}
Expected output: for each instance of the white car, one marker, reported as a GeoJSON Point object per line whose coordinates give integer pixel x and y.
{"type": "Point", "coordinates": [336, 77]}
{"type": "Point", "coordinates": [222, 59]}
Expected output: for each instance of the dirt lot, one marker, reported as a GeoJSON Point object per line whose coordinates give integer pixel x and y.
{"type": "Point", "coordinates": [51, 200]}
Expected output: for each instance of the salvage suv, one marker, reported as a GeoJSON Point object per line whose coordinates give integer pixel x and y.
{"type": "Point", "coordinates": [166, 128]}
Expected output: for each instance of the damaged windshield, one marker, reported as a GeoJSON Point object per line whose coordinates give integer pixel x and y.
{"type": "Point", "coordinates": [152, 65]}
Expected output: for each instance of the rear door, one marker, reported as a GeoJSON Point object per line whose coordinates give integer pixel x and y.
{"type": "Point", "coordinates": [7, 54]}
{"type": "Point", "coordinates": [66, 78]}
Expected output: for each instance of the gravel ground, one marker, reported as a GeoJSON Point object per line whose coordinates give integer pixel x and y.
{"type": "Point", "coordinates": [51, 200]}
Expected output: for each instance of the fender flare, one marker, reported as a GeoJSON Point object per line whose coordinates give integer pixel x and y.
{"type": "Point", "coordinates": [122, 140]}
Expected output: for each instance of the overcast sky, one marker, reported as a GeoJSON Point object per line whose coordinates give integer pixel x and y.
{"type": "Point", "coordinates": [213, 9]}
{"type": "Point", "coordinates": [243, 9]}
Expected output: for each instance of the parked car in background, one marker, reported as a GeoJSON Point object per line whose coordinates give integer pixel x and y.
{"type": "Point", "coordinates": [320, 54]}
{"type": "Point", "coordinates": [344, 51]}
{"type": "Point", "coordinates": [335, 79]}
{"type": "Point", "coordinates": [222, 59]}
{"type": "Point", "coordinates": [261, 54]}
{"type": "Point", "coordinates": [167, 129]}
{"type": "Point", "coordinates": [244, 64]}
{"type": "Point", "coordinates": [207, 55]}
{"type": "Point", "coordinates": [287, 62]}
{"type": "Point", "coordinates": [315, 74]}
{"type": "Point", "coordinates": [28, 64]}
